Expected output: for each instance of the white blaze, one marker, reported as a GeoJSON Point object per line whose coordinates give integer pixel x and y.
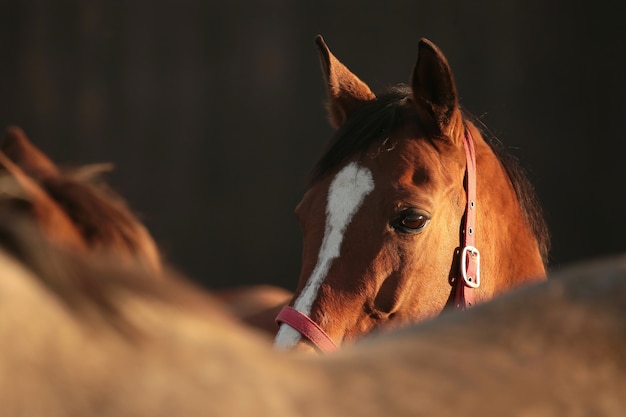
{"type": "Point", "coordinates": [345, 196]}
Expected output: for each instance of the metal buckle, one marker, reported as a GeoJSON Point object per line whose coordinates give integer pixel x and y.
{"type": "Point", "coordinates": [470, 251]}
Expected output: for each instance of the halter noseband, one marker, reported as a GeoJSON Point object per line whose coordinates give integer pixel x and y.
{"type": "Point", "coordinates": [469, 271]}
{"type": "Point", "coordinates": [307, 328]}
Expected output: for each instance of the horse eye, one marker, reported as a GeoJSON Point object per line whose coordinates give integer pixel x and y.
{"type": "Point", "coordinates": [410, 221]}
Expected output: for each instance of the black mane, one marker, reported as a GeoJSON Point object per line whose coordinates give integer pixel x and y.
{"type": "Point", "coordinates": [375, 121]}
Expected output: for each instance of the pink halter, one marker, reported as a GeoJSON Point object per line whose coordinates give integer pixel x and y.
{"type": "Point", "coordinates": [469, 256]}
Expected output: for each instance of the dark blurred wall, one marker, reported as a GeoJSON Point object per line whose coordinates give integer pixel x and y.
{"type": "Point", "coordinates": [213, 111]}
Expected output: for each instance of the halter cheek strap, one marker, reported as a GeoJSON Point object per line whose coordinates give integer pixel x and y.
{"type": "Point", "coordinates": [469, 256]}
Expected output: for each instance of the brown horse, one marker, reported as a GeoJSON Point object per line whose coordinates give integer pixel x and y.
{"type": "Point", "coordinates": [76, 208]}
{"type": "Point", "coordinates": [85, 336]}
{"type": "Point", "coordinates": [410, 210]}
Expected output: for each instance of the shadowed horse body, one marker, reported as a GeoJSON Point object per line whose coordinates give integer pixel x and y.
{"type": "Point", "coordinates": [77, 209]}
{"type": "Point", "coordinates": [89, 336]}
{"type": "Point", "coordinates": [406, 182]}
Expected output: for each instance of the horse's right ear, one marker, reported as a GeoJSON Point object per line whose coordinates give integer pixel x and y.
{"type": "Point", "coordinates": [434, 91]}
{"type": "Point", "coordinates": [27, 156]}
{"type": "Point", "coordinates": [346, 92]}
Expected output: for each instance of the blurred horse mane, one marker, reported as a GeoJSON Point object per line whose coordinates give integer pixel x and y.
{"type": "Point", "coordinates": [76, 208]}
{"type": "Point", "coordinates": [79, 197]}
{"type": "Point", "coordinates": [89, 284]}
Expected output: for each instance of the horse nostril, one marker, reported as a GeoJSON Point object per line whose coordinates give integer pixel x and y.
{"type": "Point", "coordinates": [375, 315]}
{"type": "Point", "coordinates": [378, 315]}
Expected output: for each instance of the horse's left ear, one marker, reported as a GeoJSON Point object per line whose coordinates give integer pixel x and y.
{"type": "Point", "coordinates": [346, 92]}
{"type": "Point", "coordinates": [434, 90]}
{"type": "Point", "coordinates": [50, 217]}
{"type": "Point", "coordinates": [20, 150]}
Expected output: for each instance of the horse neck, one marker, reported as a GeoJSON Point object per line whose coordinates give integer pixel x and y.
{"type": "Point", "coordinates": [510, 254]}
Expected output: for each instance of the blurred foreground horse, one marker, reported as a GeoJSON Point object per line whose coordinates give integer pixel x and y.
{"type": "Point", "coordinates": [85, 336]}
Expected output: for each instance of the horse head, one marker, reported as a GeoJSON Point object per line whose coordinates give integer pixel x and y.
{"type": "Point", "coordinates": [383, 220]}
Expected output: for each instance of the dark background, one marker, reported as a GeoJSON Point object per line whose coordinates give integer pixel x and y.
{"type": "Point", "coordinates": [213, 111]}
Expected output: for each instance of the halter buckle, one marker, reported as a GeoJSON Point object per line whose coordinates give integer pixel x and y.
{"type": "Point", "coordinates": [474, 255]}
